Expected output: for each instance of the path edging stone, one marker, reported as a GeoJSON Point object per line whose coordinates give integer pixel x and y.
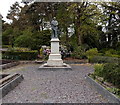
{"type": "Point", "coordinates": [100, 89]}
{"type": "Point", "coordinates": [10, 86]}
{"type": "Point", "coordinates": [9, 65]}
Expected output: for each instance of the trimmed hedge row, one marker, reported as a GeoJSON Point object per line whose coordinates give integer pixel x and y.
{"type": "Point", "coordinates": [109, 71]}
{"type": "Point", "coordinates": [104, 59]}
{"type": "Point", "coordinates": [28, 55]}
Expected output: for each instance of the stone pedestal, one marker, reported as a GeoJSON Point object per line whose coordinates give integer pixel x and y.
{"type": "Point", "coordinates": [55, 62]}
{"type": "Point", "coordinates": [55, 56]}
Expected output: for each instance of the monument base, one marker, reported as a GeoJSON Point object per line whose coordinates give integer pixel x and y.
{"type": "Point", "coordinates": [55, 62]}
{"type": "Point", "coordinates": [47, 67]}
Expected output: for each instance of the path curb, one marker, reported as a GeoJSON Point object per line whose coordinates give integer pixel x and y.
{"type": "Point", "coordinates": [105, 93]}
{"type": "Point", "coordinates": [9, 65]}
{"type": "Point", "coordinates": [10, 86]}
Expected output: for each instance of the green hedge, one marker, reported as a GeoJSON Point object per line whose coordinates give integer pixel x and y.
{"type": "Point", "coordinates": [104, 59]}
{"type": "Point", "coordinates": [17, 55]}
{"type": "Point", "coordinates": [92, 52]}
{"type": "Point", "coordinates": [109, 71]}
{"type": "Point", "coordinates": [6, 46]}
{"type": "Point", "coordinates": [98, 70]}
{"type": "Point", "coordinates": [79, 53]}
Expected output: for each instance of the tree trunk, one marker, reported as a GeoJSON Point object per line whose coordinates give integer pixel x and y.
{"type": "Point", "coordinates": [78, 24]}
{"type": "Point", "coordinates": [78, 34]}
{"type": "Point", "coordinates": [67, 35]}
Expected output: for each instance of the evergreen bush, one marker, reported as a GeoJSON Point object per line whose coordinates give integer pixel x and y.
{"type": "Point", "coordinates": [104, 59]}
{"type": "Point", "coordinates": [109, 71]}
{"type": "Point", "coordinates": [98, 69]}
{"type": "Point", "coordinates": [20, 55]}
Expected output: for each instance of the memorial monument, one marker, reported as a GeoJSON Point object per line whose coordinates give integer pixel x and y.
{"type": "Point", "coordinates": [54, 62]}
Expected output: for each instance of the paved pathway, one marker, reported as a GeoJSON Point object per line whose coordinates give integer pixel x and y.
{"type": "Point", "coordinates": [53, 86]}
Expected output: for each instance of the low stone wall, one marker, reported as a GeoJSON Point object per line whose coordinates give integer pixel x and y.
{"type": "Point", "coordinates": [11, 64]}
{"type": "Point", "coordinates": [8, 65]}
{"type": "Point", "coordinates": [32, 62]}
{"type": "Point", "coordinates": [105, 93]}
{"type": "Point", "coordinates": [10, 85]}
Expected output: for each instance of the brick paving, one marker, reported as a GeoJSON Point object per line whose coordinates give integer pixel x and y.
{"type": "Point", "coordinates": [41, 86]}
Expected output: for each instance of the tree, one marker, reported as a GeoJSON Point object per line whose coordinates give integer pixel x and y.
{"type": "Point", "coordinates": [41, 38]}
{"type": "Point", "coordinates": [74, 16]}
{"type": "Point", "coordinates": [25, 40]}
{"type": "Point", "coordinates": [14, 12]}
{"type": "Point", "coordinates": [33, 40]}
{"type": "Point", "coordinates": [64, 19]}
{"type": "Point", "coordinates": [112, 12]}
{"type": "Point", "coordinates": [85, 22]}
{"type": "Point", "coordinates": [7, 37]}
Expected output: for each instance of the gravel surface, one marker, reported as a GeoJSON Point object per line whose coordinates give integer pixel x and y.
{"type": "Point", "coordinates": [41, 86]}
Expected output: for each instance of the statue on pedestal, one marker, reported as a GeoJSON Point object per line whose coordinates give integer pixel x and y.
{"type": "Point", "coordinates": [54, 25]}
{"type": "Point", "coordinates": [55, 62]}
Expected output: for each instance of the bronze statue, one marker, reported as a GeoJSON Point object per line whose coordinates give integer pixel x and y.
{"type": "Point", "coordinates": [54, 25]}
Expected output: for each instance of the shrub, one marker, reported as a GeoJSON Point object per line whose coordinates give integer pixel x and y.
{"type": "Point", "coordinates": [118, 56]}
{"type": "Point", "coordinates": [92, 52]}
{"type": "Point", "coordinates": [18, 49]}
{"type": "Point", "coordinates": [6, 46]}
{"type": "Point", "coordinates": [18, 55]}
{"type": "Point", "coordinates": [24, 41]}
{"type": "Point", "coordinates": [104, 59]}
{"type": "Point", "coordinates": [98, 69]}
{"type": "Point", "coordinates": [111, 53]}
{"type": "Point", "coordinates": [78, 53]}
{"type": "Point", "coordinates": [114, 91]}
{"type": "Point", "coordinates": [111, 73]}
{"type": "Point", "coordinates": [118, 52]}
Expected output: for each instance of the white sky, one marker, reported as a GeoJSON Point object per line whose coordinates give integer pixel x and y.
{"type": "Point", "coordinates": [5, 7]}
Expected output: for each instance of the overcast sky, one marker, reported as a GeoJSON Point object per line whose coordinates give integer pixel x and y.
{"type": "Point", "coordinates": [5, 6]}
